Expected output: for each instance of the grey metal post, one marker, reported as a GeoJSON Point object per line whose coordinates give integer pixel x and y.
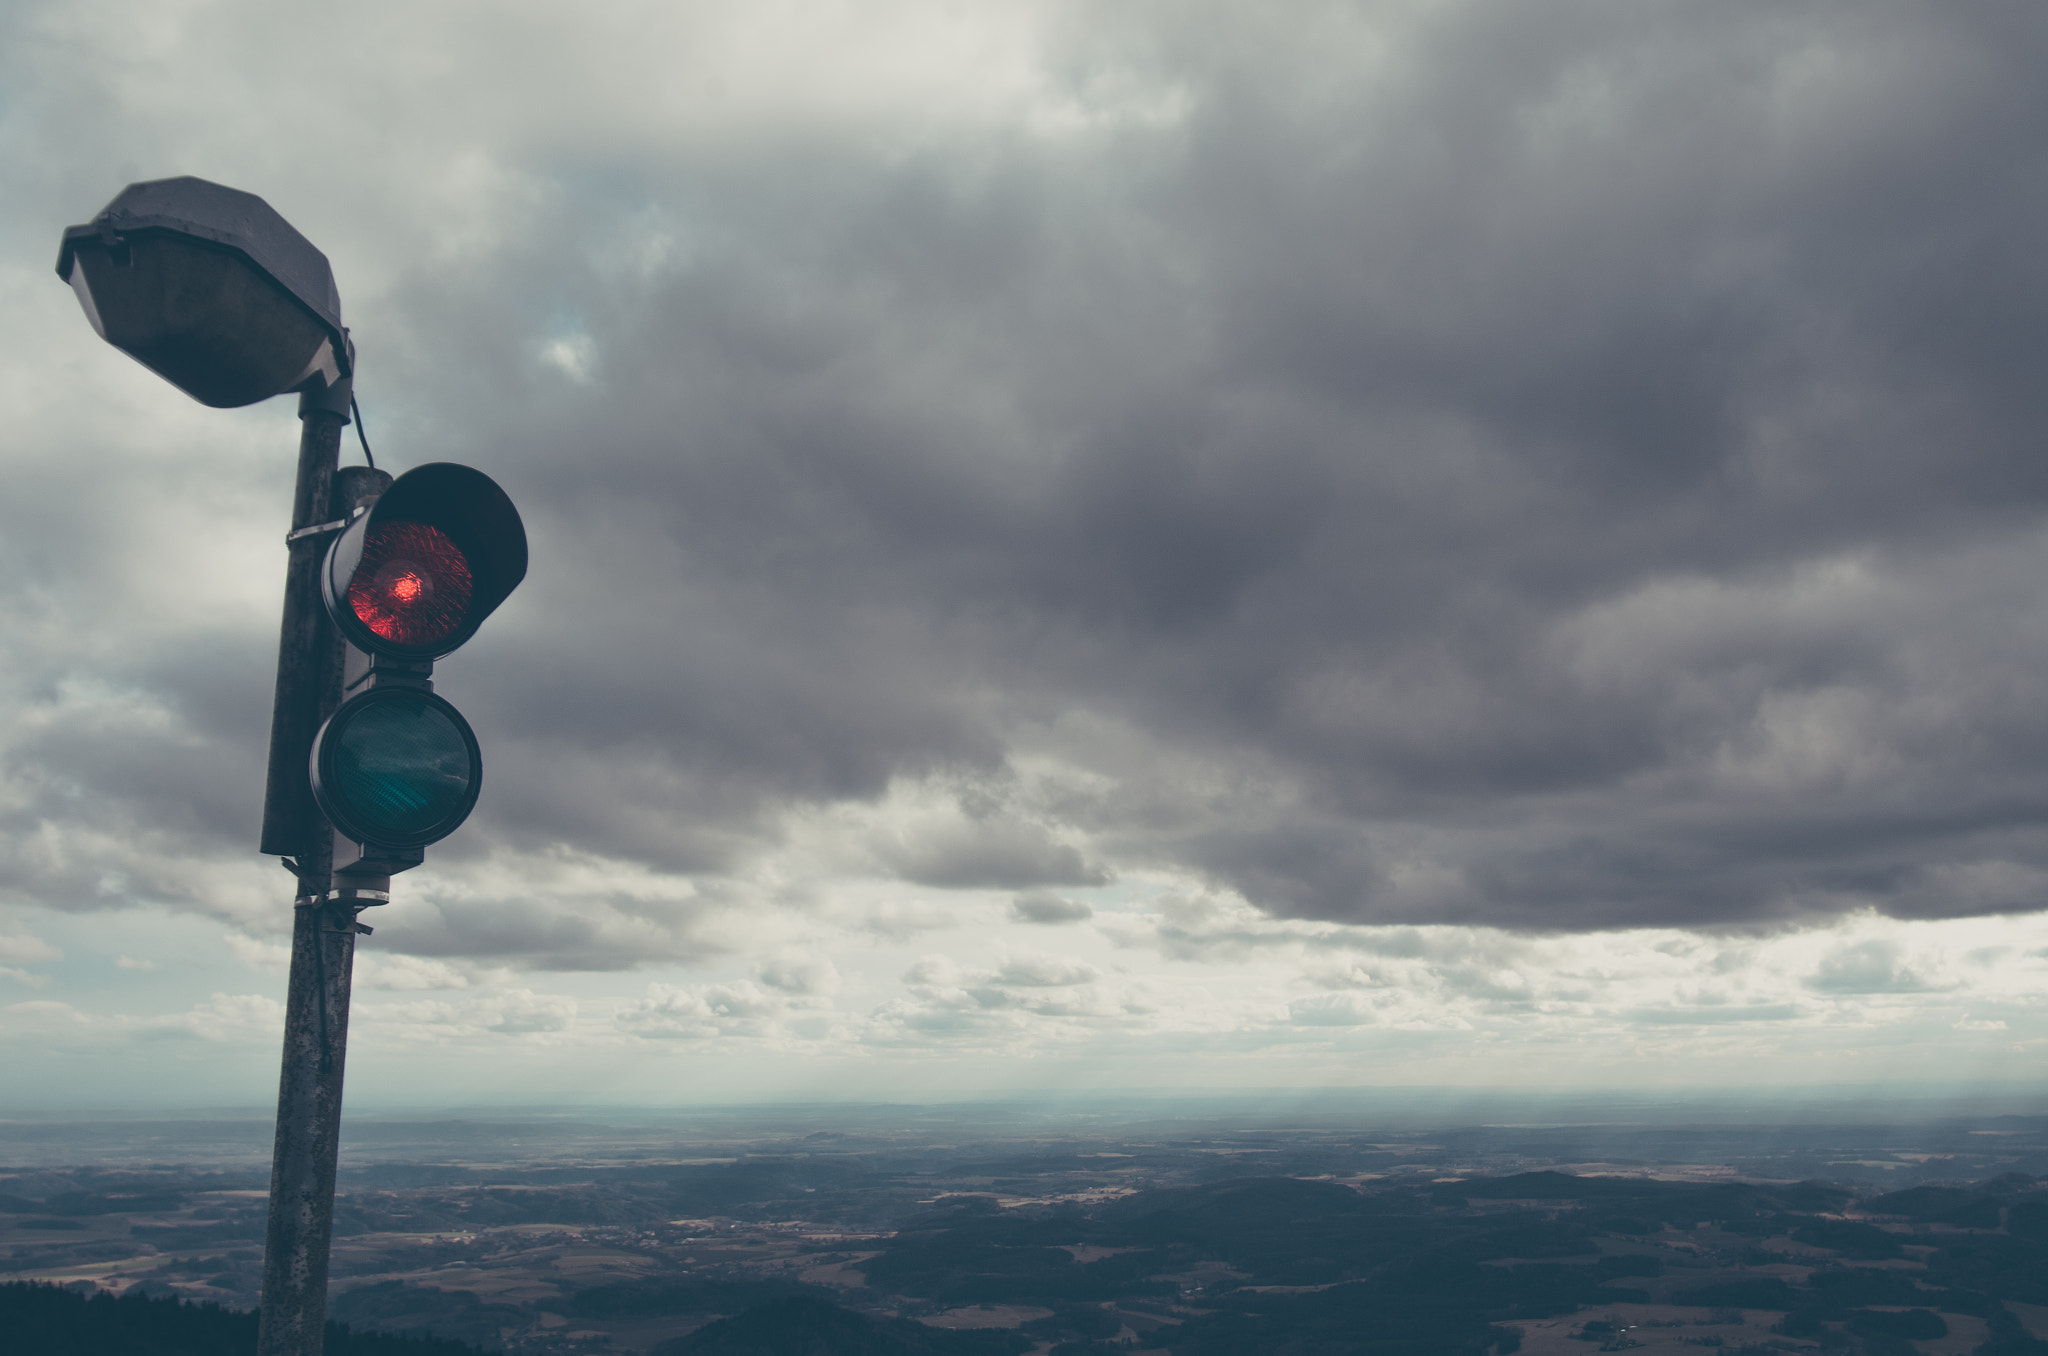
{"type": "Point", "coordinates": [301, 1222]}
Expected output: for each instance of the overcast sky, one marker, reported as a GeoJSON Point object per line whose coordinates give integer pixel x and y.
{"type": "Point", "coordinates": [1118, 545]}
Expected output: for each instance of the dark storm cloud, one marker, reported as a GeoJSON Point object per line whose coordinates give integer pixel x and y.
{"type": "Point", "coordinates": [1564, 466]}
{"type": "Point", "coordinates": [991, 853]}
{"type": "Point", "coordinates": [135, 708]}
{"type": "Point", "coordinates": [1042, 907]}
{"type": "Point", "coordinates": [1309, 432]}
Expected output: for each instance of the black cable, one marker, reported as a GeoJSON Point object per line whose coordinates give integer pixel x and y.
{"type": "Point", "coordinates": [361, 436]}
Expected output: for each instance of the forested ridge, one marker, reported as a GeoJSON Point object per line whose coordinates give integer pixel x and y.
{"type": "Point", "coordinates": [48, 1320]}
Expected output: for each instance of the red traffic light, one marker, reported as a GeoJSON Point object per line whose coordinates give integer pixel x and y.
{"type": "Point", "coordinates": [413, 585]}
{"type": "Point", "coordinates": [414, 577]}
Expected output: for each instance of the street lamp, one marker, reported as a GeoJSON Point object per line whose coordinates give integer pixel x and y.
{"type": "Point", "coordinates": [215, 292]}
{"type": "Point", "coordinates": [211, 289]}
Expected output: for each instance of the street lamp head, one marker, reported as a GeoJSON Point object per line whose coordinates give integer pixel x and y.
{"type": "Point", "coordinates": [211, 289]}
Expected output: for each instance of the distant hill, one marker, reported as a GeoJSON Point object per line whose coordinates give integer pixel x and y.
{"type": "Point", "coordinates": [47, 1320]}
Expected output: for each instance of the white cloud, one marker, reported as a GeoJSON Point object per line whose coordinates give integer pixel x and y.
{"type": "Point", "coordinates": [1876, 966]}
{"type": "Point", "coordinates": [901, 920]}
{"type": "Point", "coordinates": [23, 947]}
{"type": "Point", "coordinates": [701, 1012]}
{"type": "Point", "coordinates": [1332, 1010]}
{"type": "Point", "coordinates": [574, 356]}
{"type": "Point", "coordinates": [798, 975]}
{"type": "Point", "coordinates": [1044, 972]}
{"type": "Point", "coordinates": [222, 1017]}
{"type": "Point", "coordinates": [522, 1010]}
{"type": "Point", "coordinates": [271, 958]}
{"type": "Point", "coordinates": [516, 1012]}
{"type": "Point", "coordinates": [381, 970]}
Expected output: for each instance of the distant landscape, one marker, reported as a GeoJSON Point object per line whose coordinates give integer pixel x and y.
{"type": "Point", "coordinates": [1194, 1231]}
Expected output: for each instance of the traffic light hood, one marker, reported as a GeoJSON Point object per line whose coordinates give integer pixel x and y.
{"type": "Point", "coordinates": [413, 578]}
{"type": "Point", "coordinates": [211, 289]}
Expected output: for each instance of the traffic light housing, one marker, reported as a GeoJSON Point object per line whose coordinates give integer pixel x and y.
{"type": "Point", "coordinates": [412, 579]}
{"type": "Point", "coordinates": [396, 768]}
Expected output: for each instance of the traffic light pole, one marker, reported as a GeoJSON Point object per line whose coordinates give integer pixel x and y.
{"type": "Point", "coordinates": [301, 1226]}
{"type": "Point", "coordinates": [211, 289]}
{"type": "Point", "coordinates": [309, 677]}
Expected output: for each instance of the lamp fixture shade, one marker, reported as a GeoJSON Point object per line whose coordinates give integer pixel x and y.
{"type": "Point", "coordinates": [211, 289]}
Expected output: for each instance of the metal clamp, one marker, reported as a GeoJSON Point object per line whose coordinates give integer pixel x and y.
{"type": "Point", "coordinates": [362, 899]}
{"type": "Point", "coordinates": [316, 530]}
{"type": "Point", "coordinates": [353, 900]}
{"type": "Point", "coordinates": [322, 529]}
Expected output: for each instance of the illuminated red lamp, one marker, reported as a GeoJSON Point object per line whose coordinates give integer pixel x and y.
{"type": "Point", "coordinates": [413, 585]}
{"type": "Point", "coordinates": [414, 577]}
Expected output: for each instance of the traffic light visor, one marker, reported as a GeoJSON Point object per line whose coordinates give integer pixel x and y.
{"type": "Point", "coordinates": [396, 766]}
{"type": "Point", "coordinates": [415, 576]}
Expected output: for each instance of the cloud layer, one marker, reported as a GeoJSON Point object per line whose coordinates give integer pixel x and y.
{"type": "Point", "coordinates": [1550, 470]}
{"type": "Point", "coordinates": [1179, 992]}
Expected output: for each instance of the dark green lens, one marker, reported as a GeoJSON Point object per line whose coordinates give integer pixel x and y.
{"type": "Point", "coordinates": [400, 769]}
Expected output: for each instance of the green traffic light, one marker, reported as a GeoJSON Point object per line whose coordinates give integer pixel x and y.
{"type": "Point", "coordinates": [396, 766]}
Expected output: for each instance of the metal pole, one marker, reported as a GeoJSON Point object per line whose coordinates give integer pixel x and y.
{"type": "Point", "coordinates": [301, 1222]}
{"type": "Point", "coordinates": [301, 1225]}
{"type": "Point", "coordinates": [306, 645]}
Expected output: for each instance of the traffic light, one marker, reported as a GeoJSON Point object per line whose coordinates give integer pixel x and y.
{"type": "Point", "coordinates": [396, 767]}
{"type": "Point", "coordinates": [211, 289]}
{"type": "Point", "coordinates": [413, 578]}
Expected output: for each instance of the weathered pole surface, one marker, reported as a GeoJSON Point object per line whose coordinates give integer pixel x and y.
{"type": "Point", "coordinates": [301, 1225]}
{"type": "Point", "coordinates": [301, 1222]}
{"type": "Point", "coordinates": [306, 645]}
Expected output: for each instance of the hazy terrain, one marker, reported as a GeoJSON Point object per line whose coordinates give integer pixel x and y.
{"type": "Point", "coordinates": [1185, 1226]}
